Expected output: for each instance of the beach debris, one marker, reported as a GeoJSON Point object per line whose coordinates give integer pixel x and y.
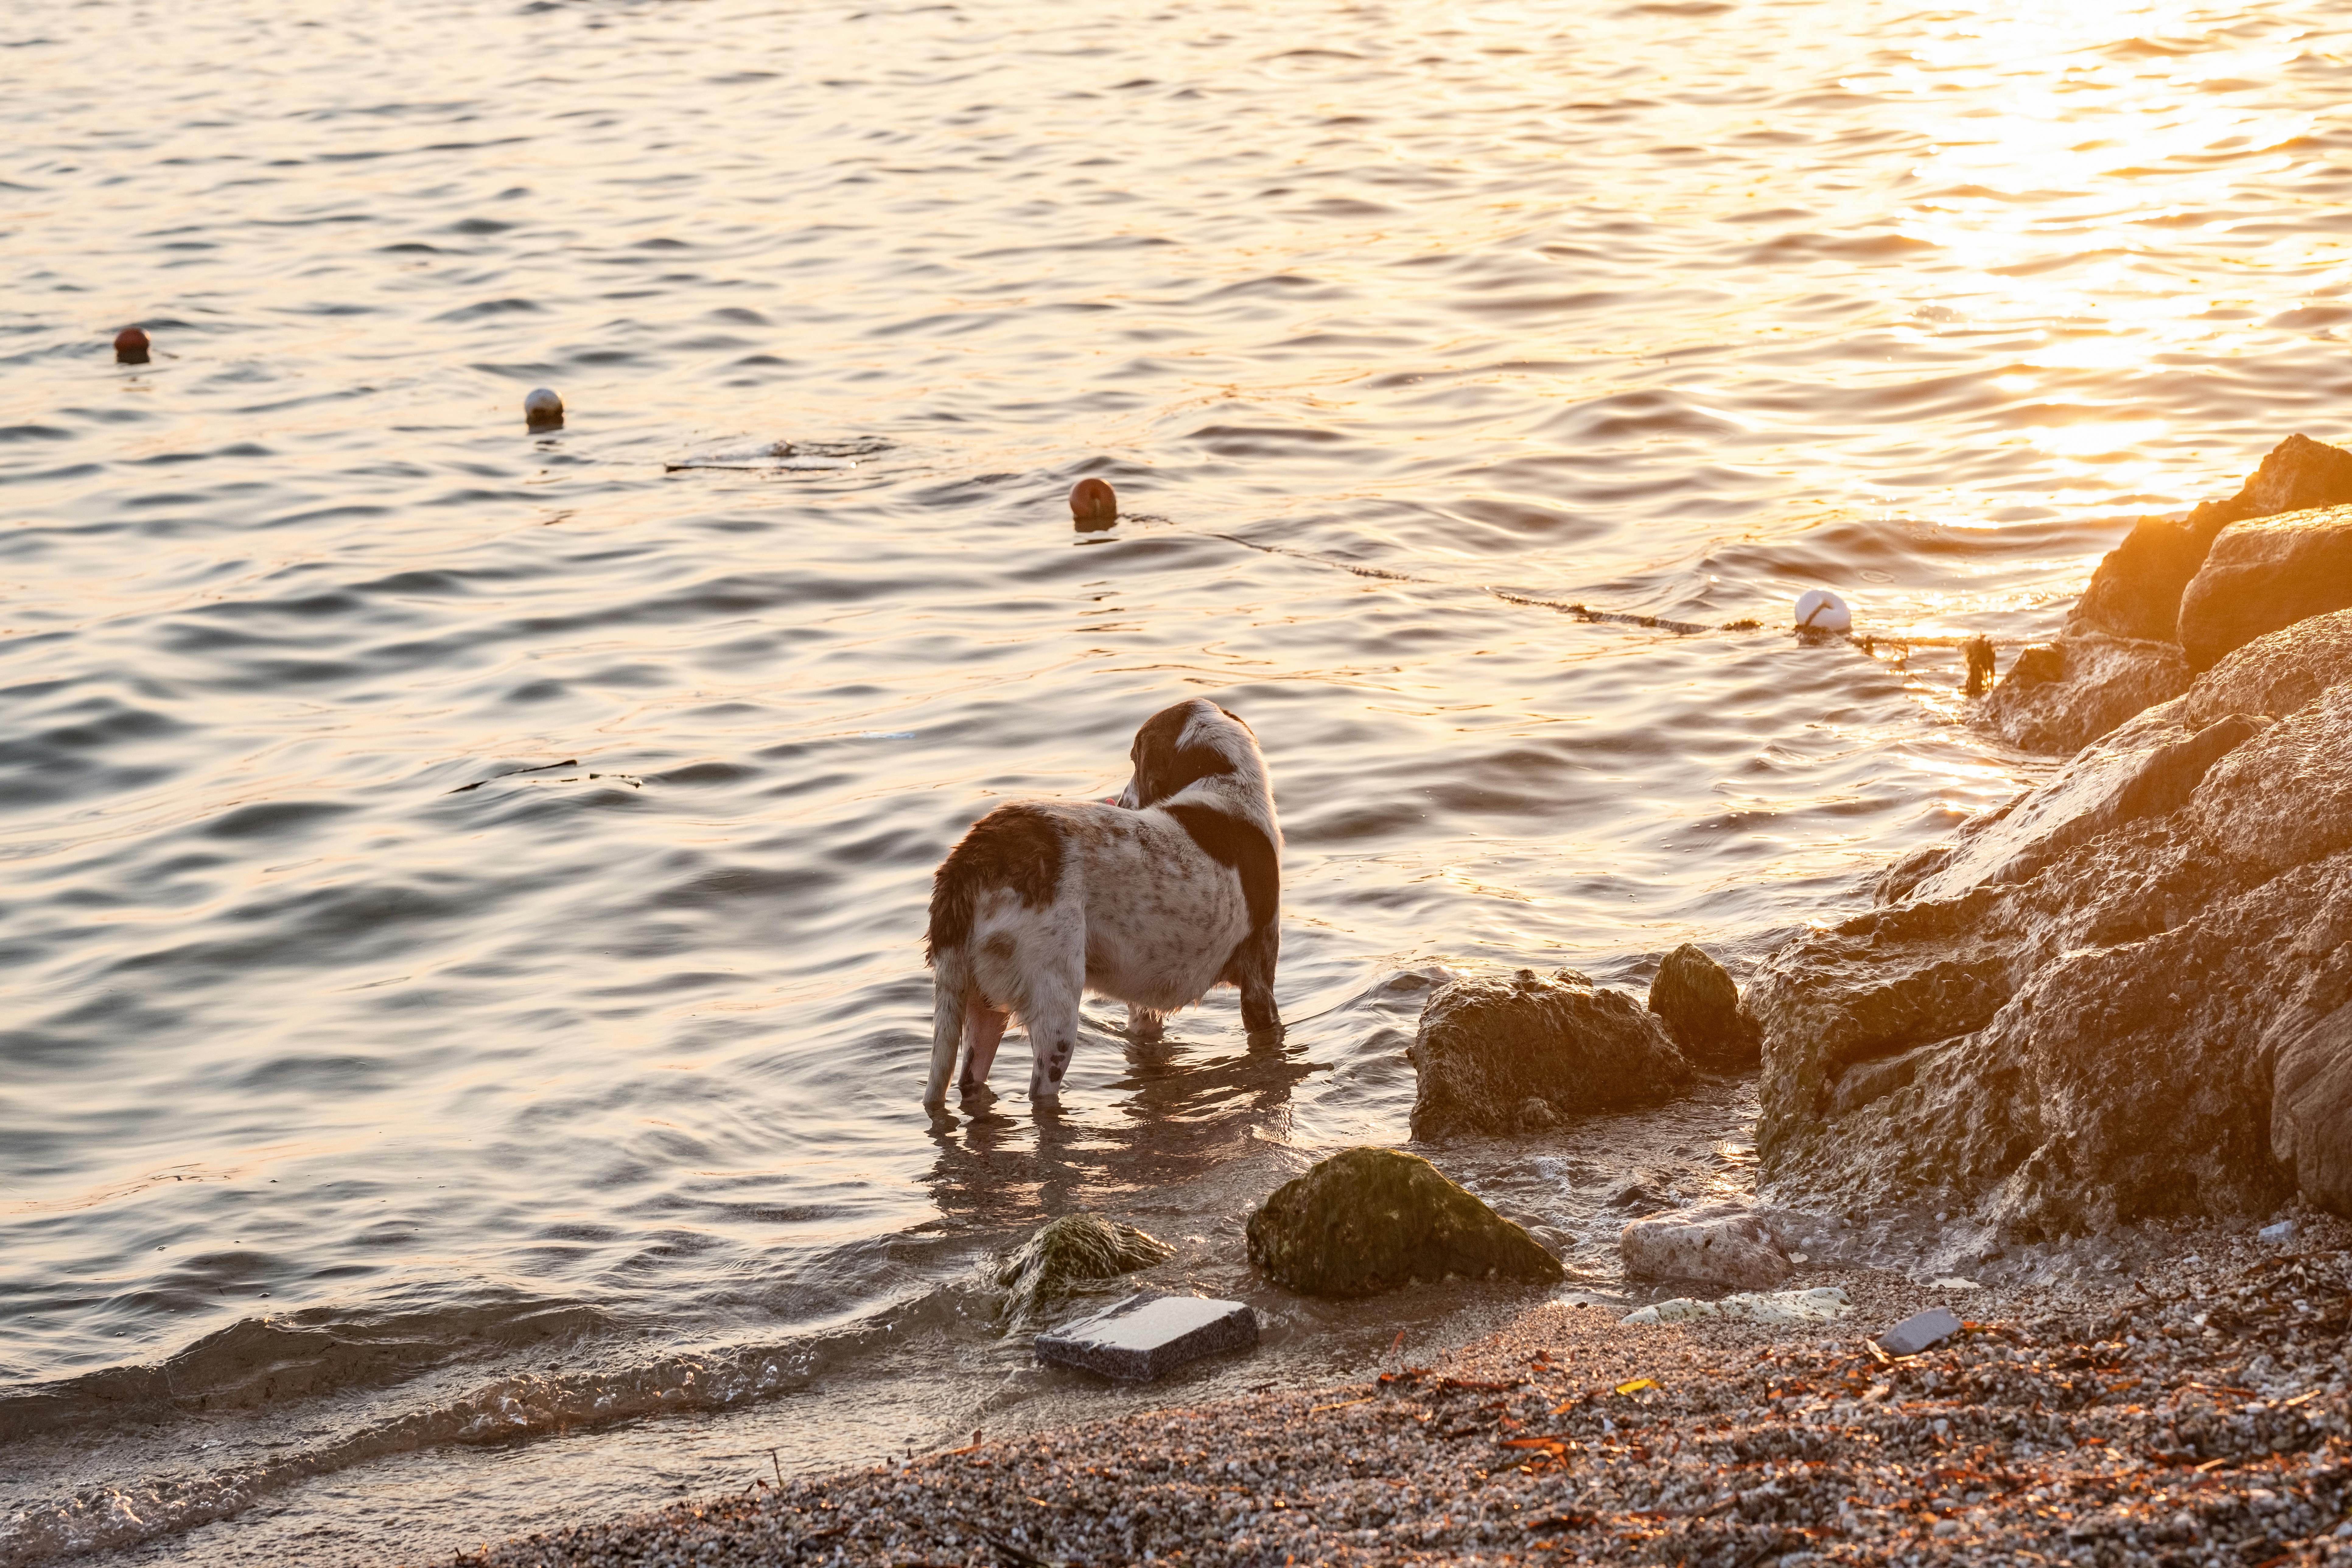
{"type": "Point", "coordinates": [1723, 1243]}
{"type": "Point", "coordinates": [1149, 1334]}
{"type": "Point", "coordinates": [1069, 1255]}
{"type": "Point", "coordinates": [1982, 666]}
{"type": "Point", "coordinates": [542, 409]}
{"type": "Point", "coordinates": [1369, 1220]}
{"type": "Point", "coordinates": [1920, 1331]}
{"type": "Point", "coordinates": [1694, 996]}
{"type": "Point", "coordinates": [131, 346]}
{"type": "Point", "coordinates": [1487, 1046]}
{"type": "Point", "coordinates": [1819, 610]}
{"type": "Point", "coordinates": [2277, 1234]}
{"type": "Point", "coordinates": [1817, 1305]}
{"type": "Point", "coordinates": [1094, 505]}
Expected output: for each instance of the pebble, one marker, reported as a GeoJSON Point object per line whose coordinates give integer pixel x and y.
{"type": "Point", "coordinates": [1919, 1331]}
{"type": "Point", "coordinates": [1819, 610]}
{"type": "Point", "coordinates": [542, 410]}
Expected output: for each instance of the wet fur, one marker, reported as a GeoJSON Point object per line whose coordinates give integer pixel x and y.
{"type": "Point", "coordinates": [1152, 901]}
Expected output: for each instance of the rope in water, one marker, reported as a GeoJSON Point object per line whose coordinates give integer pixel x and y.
{"type": "Point", "coordinates": [1978, 649]}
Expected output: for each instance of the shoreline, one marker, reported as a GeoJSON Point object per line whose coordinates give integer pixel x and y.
{"type": "Point", "coordinates": [2197, 1411]}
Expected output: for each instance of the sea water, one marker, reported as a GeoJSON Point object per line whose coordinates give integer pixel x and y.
{"type": "Point", "coordinates": [462, 1017]}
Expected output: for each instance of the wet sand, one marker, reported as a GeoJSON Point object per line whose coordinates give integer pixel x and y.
{"type": "Point", "coordinates": [2193, 1411]}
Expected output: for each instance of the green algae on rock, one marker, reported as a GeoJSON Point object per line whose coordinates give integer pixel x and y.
{"type": "Point", "coordinates": [1069, 1255]}
{"type": "Point", "coordinates": [1369, 1220]}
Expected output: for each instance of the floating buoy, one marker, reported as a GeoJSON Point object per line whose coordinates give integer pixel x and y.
{"type": "Point", "coordinates": [131, 346]}
{"type": "Point", "coordinates": [1819, 610]}
{"type": "Point", "coordinates": [542, 410]}
{"type": "Point", "coordinates": [1093, 504]}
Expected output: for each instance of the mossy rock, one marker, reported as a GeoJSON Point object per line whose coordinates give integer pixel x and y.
{"type": "Point", "coordinates": [1067, 1255]}
{"type": "Point", "coordinates": [1369, 1220]}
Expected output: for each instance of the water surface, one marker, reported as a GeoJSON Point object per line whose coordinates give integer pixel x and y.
{"type": "Point", "coordinates": [460, 997]}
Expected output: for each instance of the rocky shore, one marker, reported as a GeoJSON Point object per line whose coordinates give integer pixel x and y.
{"type": "Point", "coordinates": [2197, 1413]}
{"type": "Point", "coordinates": [2079, 1054]}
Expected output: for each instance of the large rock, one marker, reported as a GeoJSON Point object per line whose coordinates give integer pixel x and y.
{"type": "Point", "coordinates": [2264, 574]}
{"type": "Point", "coordinates": [2120, 651]}
{"type": "Point", "coordinates": [1369, 1220]}
{"type": "Point", "coordinates": [2119, 996]}
{"type": "Point", "coordinates": [1515, 1056]}
{"type": "Point", "coordinates": [2062, 695]}
{"type": "Point", "coordinates": [1694, 996]}
{"type": "Point", "coordinates": [2136, 592]}
{"type": "Point", "coordinates": [1726, 1243]}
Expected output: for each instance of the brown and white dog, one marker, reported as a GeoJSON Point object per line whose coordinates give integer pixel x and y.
{"type": "Point", "coordinates": [1149, 901]}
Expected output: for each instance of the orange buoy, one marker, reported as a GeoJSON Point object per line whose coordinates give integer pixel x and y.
{"type": "Point", "coordinates": [131, 346]}
{"type": "Point", "coordinates": [1093, 504]}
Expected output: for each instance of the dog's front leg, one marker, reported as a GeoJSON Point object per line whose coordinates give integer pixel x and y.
{"type": "Point", "coordinates": [983, 1030]}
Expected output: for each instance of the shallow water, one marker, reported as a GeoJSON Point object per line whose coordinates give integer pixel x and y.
{"type": "Point", "coordinates": [459, 988]}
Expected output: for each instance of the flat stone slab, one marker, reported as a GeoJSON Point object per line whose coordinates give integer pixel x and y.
{"type": "Point", "coordinates": [1920, 1331]}
{"type": "Point", "coordinates": [1149, 1334]}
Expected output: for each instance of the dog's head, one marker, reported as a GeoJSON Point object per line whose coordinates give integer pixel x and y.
{"type": "Point", "coordinates": [1182, 745]}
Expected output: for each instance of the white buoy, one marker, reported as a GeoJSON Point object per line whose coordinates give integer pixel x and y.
{"type": "Point", "coordinates": [1819, 610]}
{"type": "Point", "coordinates": [542, 409]}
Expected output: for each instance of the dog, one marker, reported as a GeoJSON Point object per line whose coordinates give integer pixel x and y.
{"type": "Point", "coordinates": [1150, 899]}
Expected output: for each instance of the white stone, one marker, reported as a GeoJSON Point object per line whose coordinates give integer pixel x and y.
{"type": "Point", "coordinates": [2278, 1234]}
{"type": "Point", "coordinates": [1815, 1305]}
{"type": "Point", "coordinates": [1955, 1282]}
{"type": "Point", "coordinates": [1819, 610]}
{"type": "Point", "coordinates": [1714, 1244]}
{"type": "Point", "coordinates": [1149, 1334]}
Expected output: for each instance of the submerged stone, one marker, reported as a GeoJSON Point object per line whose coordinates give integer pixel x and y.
{"type": "Point", "coordinates": [1149, 1334]}
{"type": "Point", "coordinates": [1069, 1254]}
{"type": "Point", "coordinates": [1369, 1220]}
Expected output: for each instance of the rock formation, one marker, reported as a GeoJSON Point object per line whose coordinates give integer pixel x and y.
{"type": "Point", "coordinates": [1694, 996]}
{"type": "Point", "coordinates": [1369, 1220]}
{"type": "Point", "coordinates": [2124, 995]}
{"type": "Point", "coordinates": [1514, 1056]}
{"type": "Point", "coordinates": [1726, 1243]}
{"type": "Point", "coordinates": [2145, 624]}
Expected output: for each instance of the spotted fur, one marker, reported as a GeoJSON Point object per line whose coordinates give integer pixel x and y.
{"type": "Point", "coordinates": [1152, 902]}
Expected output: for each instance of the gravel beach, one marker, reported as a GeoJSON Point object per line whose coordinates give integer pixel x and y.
{"type": "Point", "coordinates": [2193, 1411]}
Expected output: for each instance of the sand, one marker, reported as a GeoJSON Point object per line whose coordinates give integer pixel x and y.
{"type": "Point", "coordinates": [2197, 1413]}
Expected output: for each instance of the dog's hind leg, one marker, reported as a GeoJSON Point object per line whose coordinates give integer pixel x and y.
{"type": "Point", "coordinates": [1051, 1017]}
{"type": "Point", "coordinates": [984, 1029]}
{"type": "Point", "coordinates": [1145, 1024]}
{"type": "Point", "coordinates": [1252, 969]}
{"type": "Point", "coordinates": [951, 994]}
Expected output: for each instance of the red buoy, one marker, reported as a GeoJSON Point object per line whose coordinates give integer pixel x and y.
{"type": "Point", "coordinates": [131, 346]}
{"type": "Point", "coordinates": [1093, 504]}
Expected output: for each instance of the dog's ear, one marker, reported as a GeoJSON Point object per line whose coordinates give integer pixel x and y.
{"type": "Point", "coordinates": [1163, 765]}
{"type": "Point", "coordinates": [1236, 718]}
